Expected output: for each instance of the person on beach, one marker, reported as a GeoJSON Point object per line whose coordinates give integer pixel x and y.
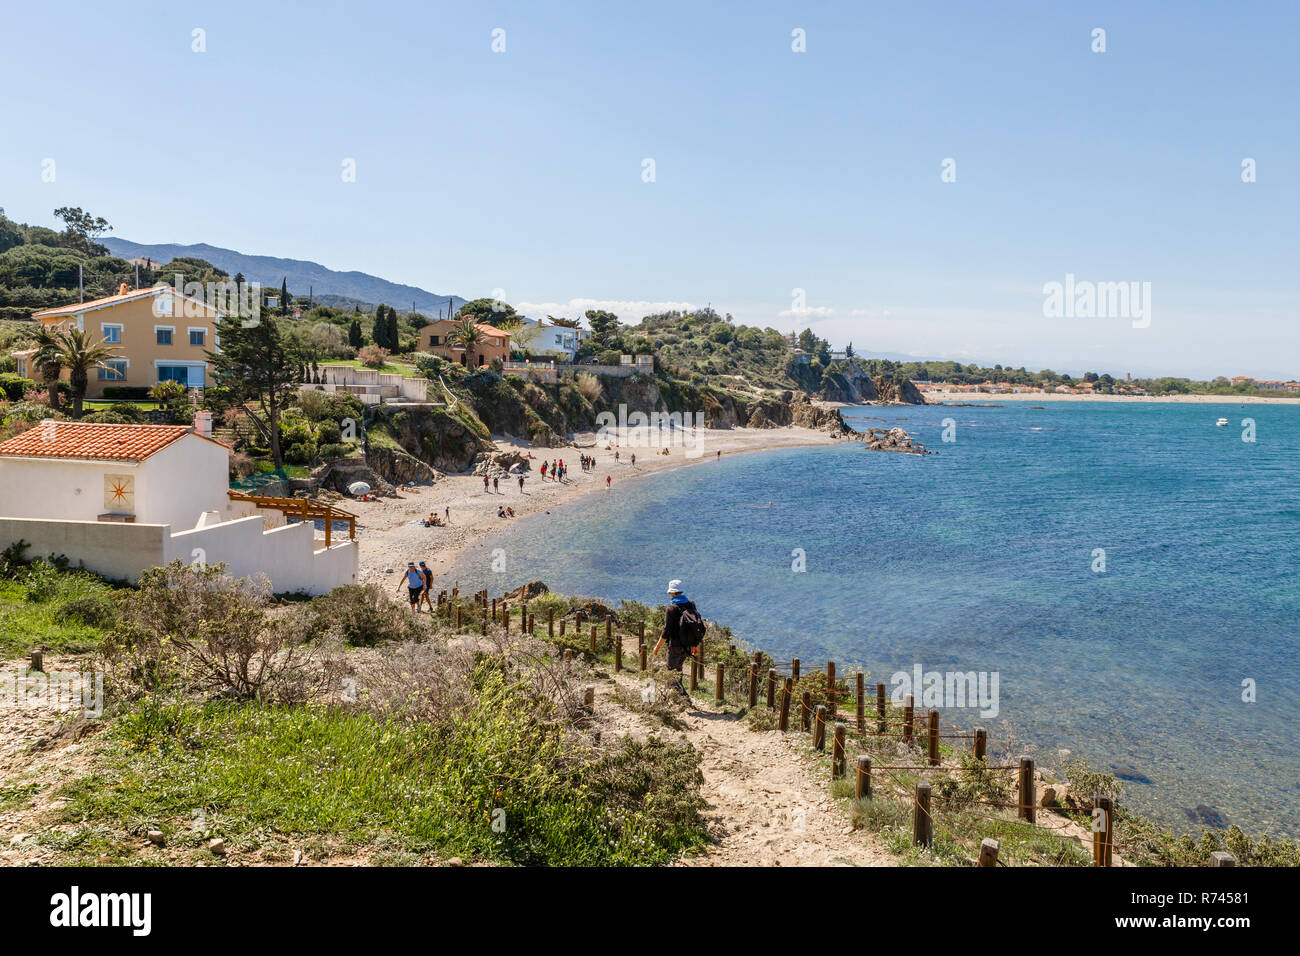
{"type": "Point", "coordinates": [427, 597]}
{"type": "Point", "coordinates": [446, 514]}
{"type": "Point", "coordinates": [543, 471]}
{"type": "Point", "coordinates": [485, 484]}
{"type": "Point", "coordinates": [414, 585]}
{"type": "Point", "coordinates": [607, 480]}
{"type": "Point", "coordinates": [634, 458]}
{"type": "Point", "coordinates": [683, 632]}
{"type": "Point", "coordinates": [496, 488]}
{"type": "Point", "coordinates": [521, 484]}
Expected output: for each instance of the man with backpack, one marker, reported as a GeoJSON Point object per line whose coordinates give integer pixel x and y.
{"type": "Point", "coordinates": [683, 632]}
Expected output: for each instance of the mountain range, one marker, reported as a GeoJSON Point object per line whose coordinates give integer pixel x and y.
{"type": "Point", "coordinates": [327, 286]}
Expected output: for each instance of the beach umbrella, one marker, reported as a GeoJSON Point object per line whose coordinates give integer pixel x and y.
{"type": "Point", "coordinates": [359, 488]}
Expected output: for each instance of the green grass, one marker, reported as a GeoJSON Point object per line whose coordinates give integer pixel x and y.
{"type": "Point", "coordinates": [256, 774]}
{"type": "Point", "coordinates": [100, 404]}
{"type": "Point", "coordinates": [32, 612]}
{"type": "Point", "coordinates": [389, 368]}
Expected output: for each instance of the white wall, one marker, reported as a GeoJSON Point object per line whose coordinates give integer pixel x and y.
{"type": "Point", "coordinates": [185, 479]}
{"type": "Point", "coordinates": [117, 551]}
{"type": "Point", "coordinates": [286, 555]}
{"type": "Point", "coordinates": [67, 490]}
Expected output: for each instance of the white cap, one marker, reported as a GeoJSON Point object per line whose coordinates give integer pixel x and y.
{"type": "Point", "coordinates": [674, 586]}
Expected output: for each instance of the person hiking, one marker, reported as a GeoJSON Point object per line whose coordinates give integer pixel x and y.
{"type": "Point", "coordinates": [426, 598]}
{"type": "Point", "coordinates": [683, 632]}
{"type": "Point", "coordinates": [414, 585]}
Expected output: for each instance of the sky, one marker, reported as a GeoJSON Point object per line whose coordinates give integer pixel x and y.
{"type": "Point", "coordinates": [911, 180]}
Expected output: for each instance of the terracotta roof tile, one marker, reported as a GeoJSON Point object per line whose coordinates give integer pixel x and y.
{"type": "Point", "coordinates": [74, 307]}
{"type": "Point", "coordinates": [88, 440]}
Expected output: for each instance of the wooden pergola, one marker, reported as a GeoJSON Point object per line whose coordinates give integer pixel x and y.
{"type": "Point", "coordinates": [305, 509]}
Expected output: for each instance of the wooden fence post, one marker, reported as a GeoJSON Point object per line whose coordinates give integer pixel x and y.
{"type": "Point", "coordinates": [550, 622]}
{"type": "Point", "coordinates": [989, 852]}
{"type": "Point", "coordinates": [830, 688]}
{"type": "Point", "coordinates": [505, 615]}
{"type": "Point", "coordinates": [805, 712]}
{"type": "Point", "coordinates": [837, 753]}
{"type": "Point", "coordinates": [753, 684]}
{"type": "Point", "coordinates": [483, 622]}
{"type": "Point", "coordinates": [922, 822]}
{"type": "Point", "coordinates": [618, 650]}
{"type": "Point", "coordinates": [38, 661]}
{"type": "Point", "coordinates": [719, 685]}
{"type": "Point", "coordinates": [593, 640]}
{"type": "Point", "coordinates": [1026, 798]}
{"type": "Point", "coordinates": [589, 699]}
{"type": "Point", "coordinates": [862, 790]}
{"type": "Point", "coordinates": [794, 668]}
{"type": "Point", "coordinates": [563, 622]}
{"type": "Point", "coordinates": [771, 688]}
{"type": "Point", "coordinates": [609, 628]}
{"type": "Point", "coordinates": [934, 737]}
{"type": "Point", "coordinates": [645, 663]}
{"type": "Point", "coordinates": [786, 692]}
{"type": "Point", "coordinates": [862, 703]}
{"type": "Point", "coordinates": [1222, 858]}
{"type": "Point", "coordinates": [1102, 837]}
{"type": "Point", "coordinates": [696, 667]}
{"type": "Point", "coordinates": [568, 658]}
{"type": "Point", "coordinates": [981, 742]}
{"type": "Point", "coordinates": [880, 708]}
{"type": "Point", "coordinates": [819, 728]}
{"type": "Point", "coordinates": [458, 617]}
{"type": "Point", "coordinates": [494, 610]}
{"type": "Point", "coordinates": [907, 720]}
{"type": "Point", "coordinates": [641, 631]}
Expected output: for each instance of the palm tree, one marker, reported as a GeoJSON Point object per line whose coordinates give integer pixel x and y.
{"type": "Point", "coordinates": [78, 354]}
{"type": "Point", "coordinates": [47, 361]}
{"type": "Point", "coordinates": [465, 335]}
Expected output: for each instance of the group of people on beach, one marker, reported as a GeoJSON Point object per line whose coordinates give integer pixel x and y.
{"type": "Point", "coordinates": [556, 470]}
{"type": "Point", "coordinates": [433, 521]}
{"type": "Point", "coordinates": [505, 511]}
{"type": "Point", "coordinates": [495, 482]}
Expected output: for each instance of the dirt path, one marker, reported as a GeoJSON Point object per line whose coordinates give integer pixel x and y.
{"type": "Point", "coordinates": [766, 804]}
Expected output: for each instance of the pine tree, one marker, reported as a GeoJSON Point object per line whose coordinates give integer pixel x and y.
{"type": "Point", "coordinates": [392, 334]}
{"type": "Point", "coordinates": [284, 296]}
{"type": "Point", "coordinates": [354, 333]}
{"type": "Point", "coordinates": [379, 331]}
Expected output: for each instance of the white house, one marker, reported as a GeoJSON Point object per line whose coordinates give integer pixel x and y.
{"type": "Point", "coordinates": [551, 339]}
{"type": "Point", "coordinates": [120, 499]}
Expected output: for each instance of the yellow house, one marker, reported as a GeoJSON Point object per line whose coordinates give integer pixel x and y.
{"type": "Point", "coordinates": [159, 335]}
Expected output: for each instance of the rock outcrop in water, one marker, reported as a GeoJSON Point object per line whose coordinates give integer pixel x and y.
{"type": "Point", "coordinates": [894, 439]}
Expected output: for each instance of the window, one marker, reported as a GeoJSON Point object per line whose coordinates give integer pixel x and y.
{"type": "Point", "coordinates": [162, 305]}
{"type": "Point", "coordinates": [112, 334]}
{"type": "Point", "coordinates": [173, 373]}
{"type": "Point", "coordinates": [198, 337]}
{"type": "Point", "coordinates": [115, 371]}
{"type": "Point", "coordinates": [164, 335]}
{"type": "Point", "coordinates": [433, 340]}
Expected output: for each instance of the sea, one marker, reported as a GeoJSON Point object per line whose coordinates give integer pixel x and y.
{"type": "Point", "coordinates": [1128, 571]}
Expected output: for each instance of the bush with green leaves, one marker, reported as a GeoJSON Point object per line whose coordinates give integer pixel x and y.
{"type": "Point", "coordinates": [362, 615]}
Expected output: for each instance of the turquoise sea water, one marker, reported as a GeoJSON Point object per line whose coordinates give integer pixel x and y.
{"type": "Point", "coordinates": [981, 558]}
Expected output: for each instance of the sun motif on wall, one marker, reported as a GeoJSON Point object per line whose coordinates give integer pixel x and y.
{"type": "Point", "coordinates": [119, 493]}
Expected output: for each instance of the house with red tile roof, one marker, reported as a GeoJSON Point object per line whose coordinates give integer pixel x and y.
{"type": "Point", "coordinates": [119, 499]}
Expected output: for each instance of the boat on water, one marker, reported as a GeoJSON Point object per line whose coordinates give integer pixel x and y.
{"type": "Point", "coordinates": [1221, 422]}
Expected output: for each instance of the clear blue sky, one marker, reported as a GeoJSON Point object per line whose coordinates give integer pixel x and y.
{"type": "Point", "coordinates": [775, 170]}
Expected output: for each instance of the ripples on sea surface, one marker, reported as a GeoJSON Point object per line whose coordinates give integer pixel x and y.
{"type": "Point", "coordinates": [979, 558]}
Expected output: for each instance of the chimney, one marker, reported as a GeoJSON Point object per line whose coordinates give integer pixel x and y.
{"type": "Point", "coordinates": [203, 423]}
{"type": "Point", "coordinates": [121, 290]}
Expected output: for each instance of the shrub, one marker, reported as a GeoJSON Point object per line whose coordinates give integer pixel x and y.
{"type": "Point", "coordinates": [93, 611]}
{"type": "Point", "coordinates": [190, 628]}
{"type": "Point", "coordinates": [589, 386]}
{"type": "Point", "coordinates": [336, 450]}
{"type": "Point", "coordinates": [126, 391]}
{"type": "Point", "coordinates": [362, 615]}
{"type": "Point", "coordinates": [372, 356]}
{"type": "Point", "coordinates": [300, 453]}
{"type": "Point", "coordinates": [15, 386]}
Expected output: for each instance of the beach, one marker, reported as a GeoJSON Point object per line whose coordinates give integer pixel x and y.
{"type": "Point", "coordinates": [390, 534]}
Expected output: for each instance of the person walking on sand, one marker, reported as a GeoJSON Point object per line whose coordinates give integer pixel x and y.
{"type": "Point", "coordinates": [543, 471]}
{"type": "Point", "coordinates": [521, 484]}
{"type": "Point", "coordinates": [414, 585]}
{"type": "Point", "coordinates": [607, 479]}
{"type": "Point", "coordinates": [683, 632]}
{"type": "Point", "coordinates": [427, 597]}
{"type": "Point", "coordinates": [496, 488]}
{"type": "Point", "coordinates": [485, 484]}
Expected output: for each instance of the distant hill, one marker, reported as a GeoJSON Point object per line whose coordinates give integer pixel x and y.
{"type": "Point", "coordinates": [328, 286]}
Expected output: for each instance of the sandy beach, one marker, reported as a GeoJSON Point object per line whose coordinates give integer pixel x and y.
{"type": "Point", "coordinates": [390, 534]}
{"type": "Point", "coordinates": [989, 398]}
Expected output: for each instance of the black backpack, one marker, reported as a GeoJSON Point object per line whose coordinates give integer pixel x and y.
{"type": "Point", "coordinates": [691, 627]}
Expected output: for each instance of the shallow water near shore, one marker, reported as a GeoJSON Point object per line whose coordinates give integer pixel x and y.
{"type": "Point", "coordinates": [983, 557]}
